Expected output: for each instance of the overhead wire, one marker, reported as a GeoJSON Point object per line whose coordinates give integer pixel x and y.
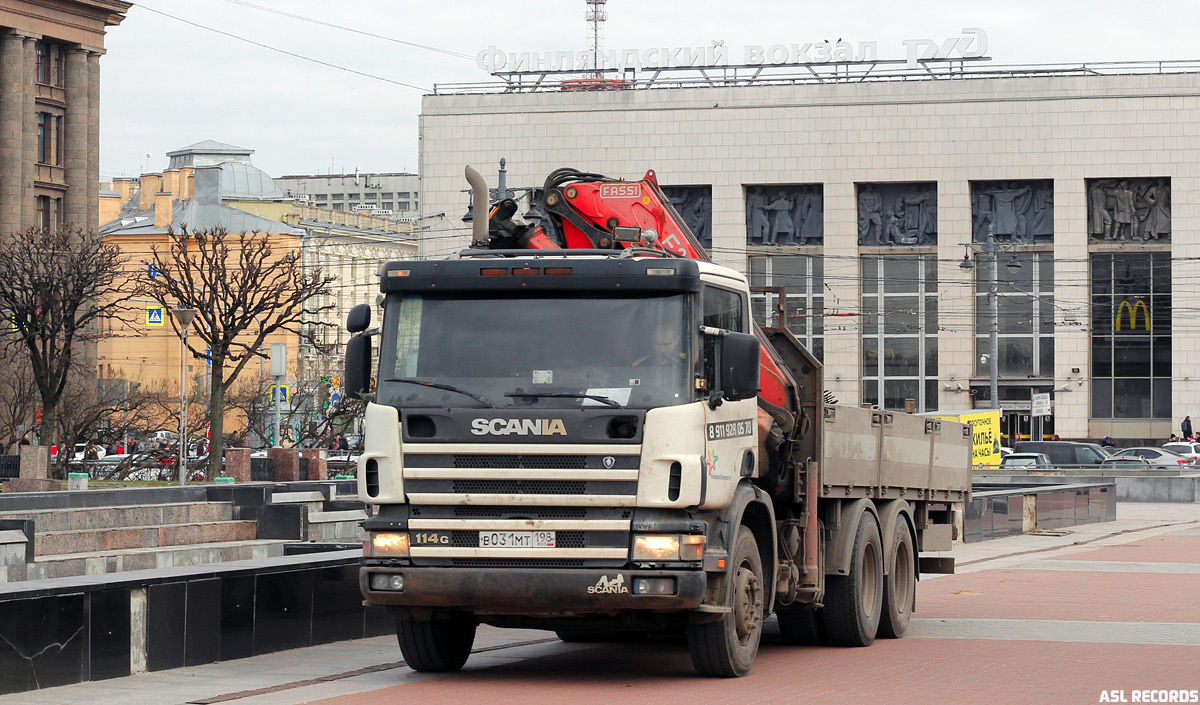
{"type": "Point", "coordinates": [282, 51]}
{"type": "Point", "coordinates": [303, 18]}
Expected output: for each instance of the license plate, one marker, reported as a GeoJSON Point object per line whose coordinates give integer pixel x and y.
{"type": "Point", "coordinates": [516, 539]}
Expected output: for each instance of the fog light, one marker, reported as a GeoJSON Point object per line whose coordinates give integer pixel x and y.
{"type": "Point", "coordinates": [654, 586]}
{"type": "Point", "coordinates": [656, 548]}
{"type": "Point", "coordinates": [384, 581]}
{"type": "Point", "coordinates": [387, 545]}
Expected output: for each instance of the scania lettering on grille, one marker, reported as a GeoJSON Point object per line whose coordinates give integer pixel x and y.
{"type": "Point", "coordinates": [518, 427]}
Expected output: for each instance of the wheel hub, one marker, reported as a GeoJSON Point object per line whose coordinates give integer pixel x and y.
{"type": "Point", "coordinates": [747, 602]}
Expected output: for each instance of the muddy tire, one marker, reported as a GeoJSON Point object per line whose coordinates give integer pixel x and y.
{"type": "Point", "coordinates": [900, 586]}
{"type": "Point", "coordinates": [853, 602]}
{"type": "Point", "coordinates": [802, 626]}
{"type": "Point", "coordinates": [726, 648]}
{"type": "Point", "coordinates": [436, 645]}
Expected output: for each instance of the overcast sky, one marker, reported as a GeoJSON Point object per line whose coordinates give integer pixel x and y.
{"type": "Point", "coordinates": [167, 84]}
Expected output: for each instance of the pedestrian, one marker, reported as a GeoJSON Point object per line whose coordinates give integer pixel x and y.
{"type": "Point", "coordinates": [343, 444]}
{"type": "Point", "coordinates": [1172, 439]}
{"type": "Point", "coordinates": [24, 440]}
{"type": "Point", "coordinates": [1186, 426]}
{"type": "Point", "coordinates": [1107, 442]}
{"type": "Point", "coordinates": [1056, 438]}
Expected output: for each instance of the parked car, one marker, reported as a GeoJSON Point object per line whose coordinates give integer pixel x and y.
{"type": "Point", "coordinates": [1065, 453]}
{"type": "Point", "coordinates": [341, 462]}
{"type": "Point", "coordinates": [1191, 450]}
{"type": "Point", "coordinates": [1158, 458]}
{"type": "Point", "coordinates": [1026, 460]}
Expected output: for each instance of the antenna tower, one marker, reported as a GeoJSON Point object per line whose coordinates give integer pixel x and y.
{"type": "Point", "coordinates": [596, 16]}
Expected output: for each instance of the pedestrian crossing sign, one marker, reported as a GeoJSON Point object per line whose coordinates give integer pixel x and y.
{"type": "Point", "coordinates": [155, 315]}
{"type": "Point", "coordinates": [283, 391]}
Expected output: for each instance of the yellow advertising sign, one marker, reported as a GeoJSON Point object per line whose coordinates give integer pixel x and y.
{"type": "Point", "coordinates": [985, 434]}
{"type": "Point", "coordinates": [1133, 317]}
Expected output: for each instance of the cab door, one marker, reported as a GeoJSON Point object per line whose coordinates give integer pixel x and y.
{"type": "Point", "coordinates": [731, 431]}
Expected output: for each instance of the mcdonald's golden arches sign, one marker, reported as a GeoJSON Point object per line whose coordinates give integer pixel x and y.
{"type": "Point", "coordinates": [1133, 309]}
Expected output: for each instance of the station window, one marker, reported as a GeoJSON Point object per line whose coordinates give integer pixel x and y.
{"type": "Point", "coordinates": [1131, 335]}
{"type": "Point", "coordinates": [802, 281]}
{"type": "Point", "coordinates": [900, 331]}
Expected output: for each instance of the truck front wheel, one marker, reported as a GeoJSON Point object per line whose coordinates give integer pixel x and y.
{"type": "Point", "coordinates": [726, 648]}
{"type": "Point", "coordinates": [436, 645]}
{"type": "Point", "coordinates": [900, 585]}
{"type": "Point", "coordinates": [853, 602]}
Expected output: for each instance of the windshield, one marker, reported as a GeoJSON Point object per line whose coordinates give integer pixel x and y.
{"type": "Point", "coordinates": [566, 350]}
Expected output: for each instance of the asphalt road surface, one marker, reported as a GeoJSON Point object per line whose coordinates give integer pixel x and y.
{"type": "Point", "coordinates": [1103, 612]}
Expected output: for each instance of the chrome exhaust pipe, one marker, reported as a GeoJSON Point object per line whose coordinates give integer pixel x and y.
{"type": "Point", "coordinates": [482, 209]}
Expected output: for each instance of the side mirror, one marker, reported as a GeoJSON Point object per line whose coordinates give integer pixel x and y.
{"type": "Point", "coordinates": [359, 319]}
{"type": "Point", "coordinates": [740, 366]}
{"type": "Point", "coordinates": [358, 364]}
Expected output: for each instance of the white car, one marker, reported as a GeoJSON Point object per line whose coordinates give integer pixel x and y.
{"type": "Point", "coordinates": [1191, 450]}
{"type": "Point", "coordinates": [81, 449]}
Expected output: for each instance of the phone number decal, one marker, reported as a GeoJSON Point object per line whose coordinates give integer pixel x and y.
{"type": "Point", "coordinates": [730, 429]}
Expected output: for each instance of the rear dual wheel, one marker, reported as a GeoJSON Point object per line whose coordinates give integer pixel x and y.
{"type": "Point", "coordinates": [900, 587]}
{"type": "Point", "coordinates": [854, 602]}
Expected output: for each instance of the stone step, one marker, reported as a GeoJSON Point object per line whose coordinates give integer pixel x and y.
{"type": "Point", "coordinates": [93, 518]}
{"type": "Point", "coordinates": [296, 497]}
{"type": "Point", "coordinates": [12, 547]}
{"type": "Point", "coordinates": [101, 562]}
{"type": "Point", "coordinates": [59, 542]}
{"type": "Point", "coordinates": [336, 526]}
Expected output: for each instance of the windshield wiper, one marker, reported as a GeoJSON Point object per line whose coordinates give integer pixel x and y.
{"type": "Point", "coordinates": [437, 385]}
{"type": "Point", "coordinates": [566, 395]}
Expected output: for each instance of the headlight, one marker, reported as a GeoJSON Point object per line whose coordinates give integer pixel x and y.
{"type": "Point", "coordinates": [386, 545]}
{"type": "Point", "coordinates": [672, 547]}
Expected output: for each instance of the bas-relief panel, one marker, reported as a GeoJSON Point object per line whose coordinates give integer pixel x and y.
{"type": "Point", "coordinates": [1129, 209]}
{"type": "Point", "coordinates": [897, 214]}
{"type": "Point", "coordinates": [1013, 211]}
{"type": "Point", "coordinates": [785, 215]}
{"type": "Point", "coordinates": [694, 205]}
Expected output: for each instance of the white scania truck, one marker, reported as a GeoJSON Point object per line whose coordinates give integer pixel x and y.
{"type": "Point", "coordinates": [598, 441]}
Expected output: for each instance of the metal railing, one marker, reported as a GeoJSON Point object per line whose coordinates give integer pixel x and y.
{"type": "Point", "coordinates": [10, 466]}
{"type": "Point", "coordinates": [807, 74]}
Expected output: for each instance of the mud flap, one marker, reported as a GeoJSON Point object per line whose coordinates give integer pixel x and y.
{"type": "Point", "coordinates": [937, 564]}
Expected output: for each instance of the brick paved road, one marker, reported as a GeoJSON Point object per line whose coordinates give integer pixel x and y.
{"type": "Point", "coordinates": [1018, 624]}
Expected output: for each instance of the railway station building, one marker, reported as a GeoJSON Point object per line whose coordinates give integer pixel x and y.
{"type": "Point", "coordinates": [853, 193]}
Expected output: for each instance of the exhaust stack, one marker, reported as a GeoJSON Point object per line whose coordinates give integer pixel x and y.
{"type": "Point", "coordinates": [482, 209]}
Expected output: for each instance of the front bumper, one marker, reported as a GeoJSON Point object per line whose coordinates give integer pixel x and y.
{"type": "Point", "coordinates": [533, 591]}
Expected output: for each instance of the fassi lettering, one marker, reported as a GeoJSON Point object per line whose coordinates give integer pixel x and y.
{"type": "Point", "coordinates": [518, 427]}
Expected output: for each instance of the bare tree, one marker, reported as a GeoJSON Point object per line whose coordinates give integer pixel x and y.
{"type": "Point", "coordinates": [243, 292]}
{"type": "Point", "coordinates": [308, 420]}
{"type": "Point", "coordinates": [55, 287]}
{"type": "Point", "coordinates": [18, 395]}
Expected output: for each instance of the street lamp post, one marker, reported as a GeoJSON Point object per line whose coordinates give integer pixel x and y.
{"type": "Point", "coordinates": [184, 316]}
{"type": "Point", "coordinates": [991, 250]}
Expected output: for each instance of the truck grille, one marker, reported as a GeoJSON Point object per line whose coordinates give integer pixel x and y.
{"type": "Point", "coordinates": [529, 462]}
{"type": "Point", "coordinates": [519, 487]}
{"type": "Point", "coordinates": [585, 499]}
{"type": "Point", "coordinates": [517, 563]}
